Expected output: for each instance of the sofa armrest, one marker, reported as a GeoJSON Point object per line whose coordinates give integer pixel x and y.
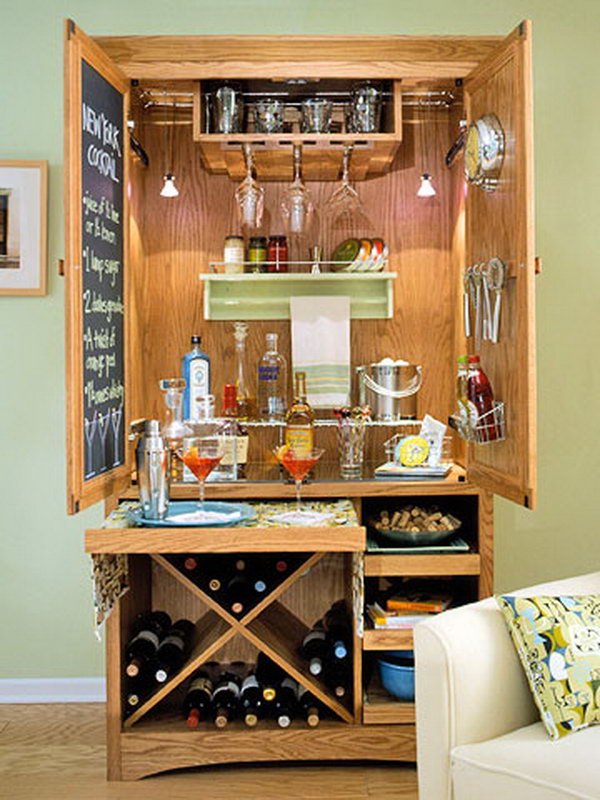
{"type": "Point", "coordinates": [469, 683]}
{"type": "Point", "coordinates": [469, 687]}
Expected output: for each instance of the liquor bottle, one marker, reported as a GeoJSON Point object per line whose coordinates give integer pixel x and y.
{"type": "Point", "coordinates": [246, 399]}
{"type": "Point", "coordinates": [238, 457]}
{"type": "Point", "coordinates": [252, 703]}
{"type": "Point", "coordinates": [314, 648]}
{"type": "Point", "coordinates": [286, 702]}
{"type": "Point", "coordinates": [309, 707]}
{"type": "Point", "coordinates": [197, 705]}
{"type": "Point", "coordinates": [195, 369]}
{"type": "Point", "coordinates": [147, 631]}
{"type": "Point", "coordinates": [225, 698]}
{"type": "Point", "coordinates": [272, 380]}
{"type": "Point", "coordinates": [338, 629]}
{"type": "Point", "coordinates": [238, 594]}
{"type": "Point", "coordinates": [173, 649]}
{"type": "Point", "coordinates": [480, 401]}
{"type": "Point", "coordinates": [269, 675]}
{"type": "Point", "coordinates": [299, 420]}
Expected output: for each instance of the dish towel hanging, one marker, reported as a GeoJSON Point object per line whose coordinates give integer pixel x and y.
{"type": "Point", "coordinates": [321, 348]}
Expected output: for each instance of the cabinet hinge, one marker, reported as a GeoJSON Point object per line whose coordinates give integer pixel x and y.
{"type": "Point", "coordinates": [538, 265]}
{"type": "Point", "coordinates": [61, 267]}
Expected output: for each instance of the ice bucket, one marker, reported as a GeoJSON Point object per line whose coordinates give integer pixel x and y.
{"type": "Point", "coordinates": [390, 388]}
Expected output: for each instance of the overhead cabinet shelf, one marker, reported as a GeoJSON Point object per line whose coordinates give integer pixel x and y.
{"type": "Point", "coordinates": [261, 296]}
{"type": "Point", "coordinates": [373, 153]}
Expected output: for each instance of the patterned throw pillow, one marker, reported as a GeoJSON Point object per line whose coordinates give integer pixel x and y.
{"type": "Point", "coordinates": [558, 642]}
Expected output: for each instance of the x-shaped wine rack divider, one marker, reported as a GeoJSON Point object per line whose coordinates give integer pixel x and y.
{"type": "Point", "coordinates": [268, 625]}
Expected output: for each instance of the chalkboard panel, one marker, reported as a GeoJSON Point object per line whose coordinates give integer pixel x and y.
{"type": "Point", "coordinates": [102, 143]}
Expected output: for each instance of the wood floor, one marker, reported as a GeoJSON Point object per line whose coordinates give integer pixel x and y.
{"type": "Point", "coordinates": [57, 752]}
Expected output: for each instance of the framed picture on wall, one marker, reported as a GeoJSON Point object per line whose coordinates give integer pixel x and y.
{"type": "Point", "coordinates": [23, 221]}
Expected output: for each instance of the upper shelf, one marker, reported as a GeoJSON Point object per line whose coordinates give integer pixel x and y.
{"type": "Point", "coordinates": [267, 296]}
{"type": "Point", "coordinates": [373, 153]}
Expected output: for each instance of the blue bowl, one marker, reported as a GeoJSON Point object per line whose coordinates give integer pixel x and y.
{"type": "Point", "coordinates": [397, 671]}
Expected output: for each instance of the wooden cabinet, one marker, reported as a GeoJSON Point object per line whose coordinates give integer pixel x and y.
{"type": "Point", "coordinates": [134, 297]}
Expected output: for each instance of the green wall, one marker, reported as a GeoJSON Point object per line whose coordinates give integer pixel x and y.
{"type": "Point", "coordinates": [45, 591]}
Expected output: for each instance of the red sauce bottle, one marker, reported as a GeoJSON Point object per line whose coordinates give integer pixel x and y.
{"type": "Point", "coordinates": [481, 401]}
{"type": "Point", "coordinates": [277, 254]}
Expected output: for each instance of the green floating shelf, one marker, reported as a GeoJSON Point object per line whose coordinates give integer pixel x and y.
{"type": "Point", "coordinates": [264, 296]}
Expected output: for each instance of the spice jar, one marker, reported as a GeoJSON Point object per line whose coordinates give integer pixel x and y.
{"type": "Point", "coordinates": [233, 254]}
{"type": "Point", "coordinates": [277, 254]}
{"type": "Point", "coordinates": [257, 254]}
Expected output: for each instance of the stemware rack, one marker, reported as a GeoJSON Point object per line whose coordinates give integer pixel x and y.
{"type": "Point", "coordinates": [322, 152]}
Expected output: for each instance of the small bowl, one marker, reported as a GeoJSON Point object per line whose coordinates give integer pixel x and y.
{"type": "Point", "coordinates": [397, 672]}
{"type": "Point", "coordinates": [416, 538]}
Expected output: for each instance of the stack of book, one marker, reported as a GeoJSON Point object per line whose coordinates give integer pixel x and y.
{"type": "Point", "coordinates": [404, 610]}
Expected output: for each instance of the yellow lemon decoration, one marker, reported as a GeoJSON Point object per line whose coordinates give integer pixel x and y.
{"type": "Point", "coordinates": [412, 451]}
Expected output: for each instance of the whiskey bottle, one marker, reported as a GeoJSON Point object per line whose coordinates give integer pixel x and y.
{"type": "Point", "coordinates": [231, 410]}
{"type": "Point", "coordinates": [299, 420]}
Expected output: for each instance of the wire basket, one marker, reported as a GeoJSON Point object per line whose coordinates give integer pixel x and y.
{"type": "Point", "coordinates": [415, 430]}
{"type": "Point", "coordinates": [488, 428]}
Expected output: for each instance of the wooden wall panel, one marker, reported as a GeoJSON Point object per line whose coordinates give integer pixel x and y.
{"type": "Point", "coordinates": [182, 235]}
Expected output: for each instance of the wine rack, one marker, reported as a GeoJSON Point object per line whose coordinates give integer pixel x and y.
{"type": "Point", "coordinates": [269, 626]}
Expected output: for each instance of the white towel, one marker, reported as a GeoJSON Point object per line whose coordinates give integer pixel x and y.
{"type": "Point", "coordinates": [321, 348]}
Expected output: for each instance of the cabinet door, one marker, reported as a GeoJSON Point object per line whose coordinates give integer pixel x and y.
{"type": "Point", "coordinates": [96, 215]}
{"type": "Point", "coordinates": [500, 224]}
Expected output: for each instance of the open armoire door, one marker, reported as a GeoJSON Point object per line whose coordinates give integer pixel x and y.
{"type": "Point", "coordinates": [500, 232]}
{"type": "Point", "coordinates": [96, 217]}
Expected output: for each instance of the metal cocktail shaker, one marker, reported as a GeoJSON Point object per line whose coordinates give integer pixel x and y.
{"type": "Point", "coordinates": [152, 458]}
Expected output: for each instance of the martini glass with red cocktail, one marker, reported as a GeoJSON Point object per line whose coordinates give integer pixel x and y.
{"type": "Point", "coordinates": [298, 463]}
{"type": "Point", "coordinates": [201, 454]}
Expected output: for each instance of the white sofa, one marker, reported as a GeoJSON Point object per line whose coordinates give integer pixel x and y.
{"type": "Point", "coordinates": [478, 731]}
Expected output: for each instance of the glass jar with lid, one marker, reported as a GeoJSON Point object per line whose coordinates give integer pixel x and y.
{"type": "Point", "coordinates": [233, 254]}
{"type": "Point", "coordinates": [277, 254]}
{"type": "Point", "coordinates": [257, 254]}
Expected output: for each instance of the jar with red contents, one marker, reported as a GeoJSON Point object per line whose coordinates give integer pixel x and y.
{"type": "Point", "coordinates": [277, 254]}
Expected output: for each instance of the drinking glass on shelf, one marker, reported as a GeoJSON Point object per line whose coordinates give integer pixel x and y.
{"type": "Point", "coordinates": [298, 463]}
{"type": "Point", "coordinates": [227, 106]}
{"type": "Point", "coordinates": [201, 454]}
{"type": "Point", "coordinates": [269, 115]}
{"type": "Point", "coordinates": [250, 197]}
{"type": "Point", "coordinates": [316, 115]}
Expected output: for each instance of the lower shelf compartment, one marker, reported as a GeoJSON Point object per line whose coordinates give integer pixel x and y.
{"type": "Point", "coordinates": [163, 744]}
{"type": "Point", "coordinates": [380, 708]}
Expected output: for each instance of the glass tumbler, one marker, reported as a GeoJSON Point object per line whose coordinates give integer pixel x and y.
{"type": "Point", "coordinates": [227, 109]}
{"type": "Point", "coordinates": [351, 447]}
{"type": "Point", "coordinates": [365, 114]}
{"type": "Point", "coordinates": [268, 116]}
{"type": "Point", "coordinates": [316, 115]}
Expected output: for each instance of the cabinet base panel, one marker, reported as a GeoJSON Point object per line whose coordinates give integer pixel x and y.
{"type": "Point", "coordinates": [146, 752]}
